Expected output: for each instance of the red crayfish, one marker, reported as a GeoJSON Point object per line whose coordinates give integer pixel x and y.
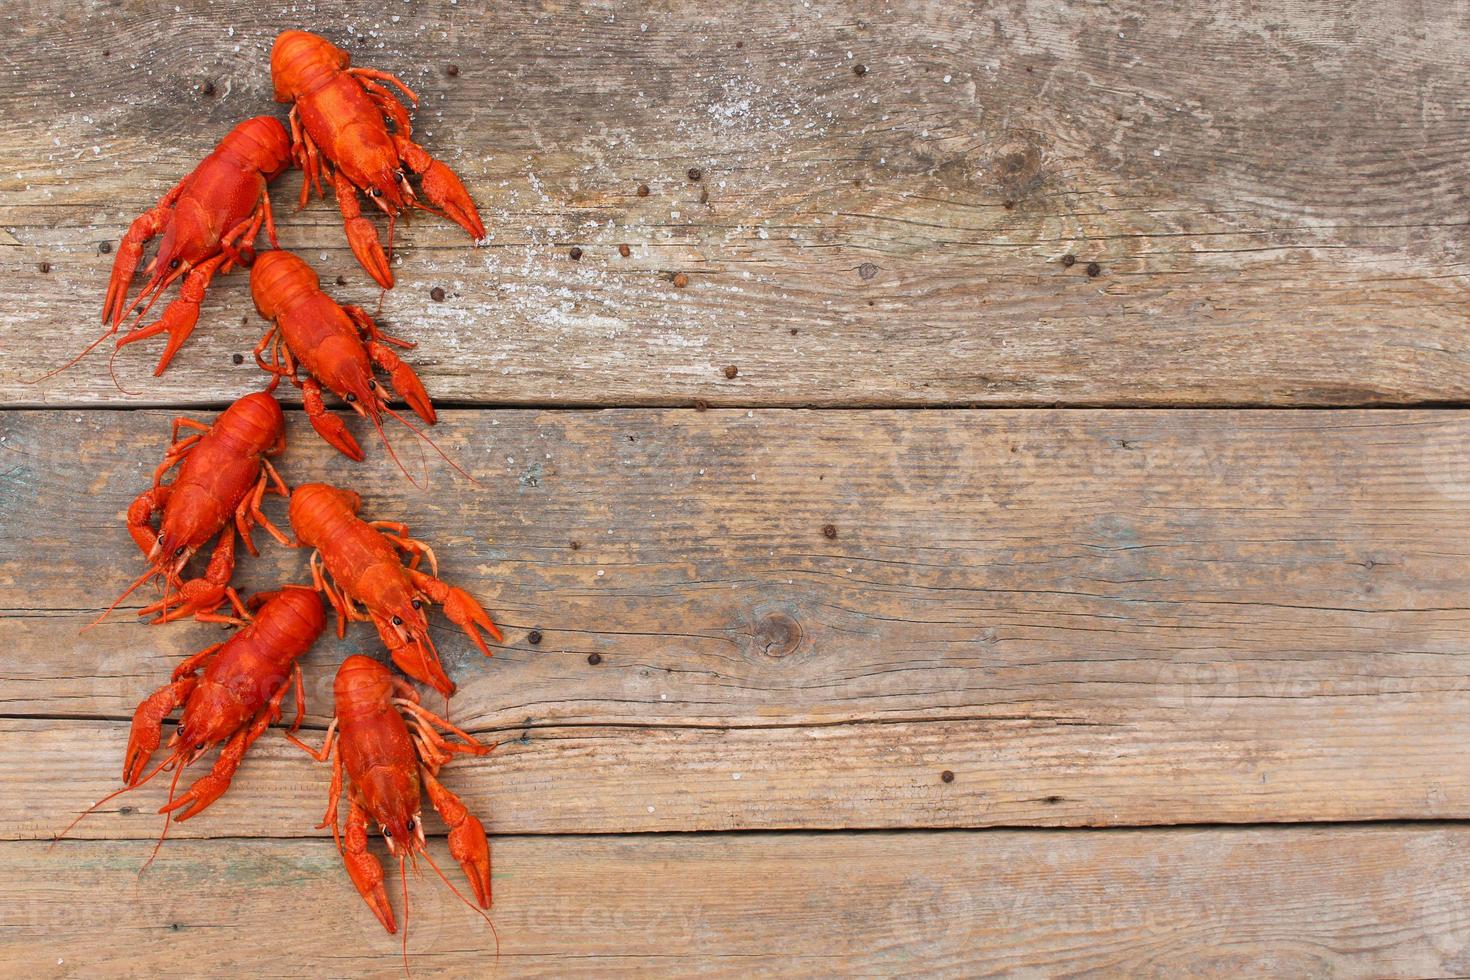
{"type": "Point", "coordinates": [337, 345]}
{"type": "Point", "coordinates": [340, 113]}
{"type": "Point", "coordinates": [385, 747]}
{"type": "Point", "coordinates": [208, 222]}
{"type": "Point", "coordinates": [239, 695]}
{"type": "Point", "coordinates": [224, 472]}
{"type": "Point", "coordinates": [366, 570]}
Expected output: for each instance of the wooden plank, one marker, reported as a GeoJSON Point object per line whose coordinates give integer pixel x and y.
{"type": "Point", "coordinates": [1167, 765]}
{"type": "Point", "coordinates": [908, 223]}
{"type": "Point", "coordinates": [1341, 902]}
{"type": "Point", "coordinates": [1089, 617]}
{"type": "Point", "coordinates": [1005, 560]}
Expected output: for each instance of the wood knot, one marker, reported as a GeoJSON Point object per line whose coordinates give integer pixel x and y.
{"type": "Point", "coordinates": [777, 634]}
{"type": "Point", "coordinates": [1016, 168]}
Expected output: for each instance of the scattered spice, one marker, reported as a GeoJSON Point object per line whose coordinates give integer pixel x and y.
{"type": "Point", "coordinates": [700, 405]}
{"type": "Point", "coordinates": [694, 173]}
{"type": "Point", "coordinates": [576, 545]}
{"type": "Point", "coordinates": [207, 88]}
{"type": "Point", "coordinates": [829, 531]}
{"type": "Point", "coordinates": [1069, 260]}
{"type": "Point", "coordinates": [437, 294]}
{"type": "Point", "coordinates": [237, 358]}
{"type": "Point", "coordinates": [534, 637]}
{"type": "Point", "coordinates": [681, 280]}
{"type": "Point", "coordinates": [624, 251]}
{"type": "Point", "coordinates": [731, 370]}
{"type": "Point", "coordinates": [947, 776]}
{"type": "Point", "coordinates": [105, 247]}
{"type": "Point", "coordinates": [594, 659]}
{"type": "Point", "coordinates": [642, 190]}
{"type": "Point", "coordinates": [575, 253]}
{"type": "Point", "coordinates": [859, 70]}
{"type": "Point", "coordinates": [452, 71]}
{"type": "Point", "coordinates": [341, 280]}
{"type": "Point", "coordinates": [45, 267]}
{"type": "Point", "coordinates": [1093, 270]}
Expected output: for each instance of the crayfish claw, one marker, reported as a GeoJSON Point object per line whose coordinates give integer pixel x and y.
{"type": "Point", "coordinates": [327, 425]}
{"type": "Point", "coordinates": [444, 189]}
{"type": "Point", "coordinates": [208, 788]}
{"type": "Point", "coordinates": [364, 869]}
{"type": "Point", "coordinates": [363, 238]}
{"type": "Point", "coordinates": [418, 660]}
{"type": "Point", "coordinates": [146, 732]}
{"type": "Point", "coordinates": [470, 616]}
{"type": "Point", "coordinates": [467, 842]}
{"type": "Point", "coordinates": [405, 382]}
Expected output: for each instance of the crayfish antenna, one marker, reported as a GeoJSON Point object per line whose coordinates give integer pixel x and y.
{"type": "Point", "coordinates": [167, 817]}
{"type": "Point", "coordinates": [403, 877]}
{"type": "Point", "coordinates": [152, 571]}
{"type": "Point", "coordinates": [112, 370]}
{"type": "Point", "coordinates": [110, 796]}
{"type": "Point", "coordinates": [425, 436]}
{"type": "Point", "coordinates": [468, 904]}
{"type": "Point", "coordinates": [151, 293]}
{"type": "Point", "coordinates": [389, 446]}
{"type": "Point", "coordinates": [75, 360]}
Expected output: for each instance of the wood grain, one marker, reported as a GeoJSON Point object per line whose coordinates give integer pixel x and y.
{"type": "Point", "coordinates": [1159, 767]}
{"type": "Point", "coordinates": [1089, 617]}
{"type": "Point", "coordinates": [1341, 902]}
{"type": "Point", "coordinates": [1275, 198]}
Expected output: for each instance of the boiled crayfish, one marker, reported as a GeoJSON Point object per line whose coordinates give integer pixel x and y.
{"type": "Point", "coordinates": [366, 569]}
{"type": "Point", "coordinates": [338, 346]}
{"type": "Point", "coordinates": [385, 747]}
{"type": "Point", "coordinates": [244, 680]}
{"type": "Point", "coordinates": [339, 115]}
{"type": "Point", "coordinates": [224, 472]}
{"type": "Point", "coordinates": [208, 222]}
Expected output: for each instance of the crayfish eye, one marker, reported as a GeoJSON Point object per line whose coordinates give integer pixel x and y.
{"type": "Point", "coordinates": [200, 746]}
{"type": "Point", "coordinates": [351, 397]}
{"type": "Point", "coordinates": [410, 823]}
{"type": "Point", "coordinates": [373, 384]}
{"type": "Point", "coordinates": [180, 730]}
{"type": "Point", "coordinates": [173, 263]}
{"type": "Point", "coordinates": [374, 192]}
{"type": "Point", "coordinates": [397, 620]}
{"type": "Point", "coordinates": [417, 604]}
{"type": "Point", "coordinates": [387, 833]}
{"type": "Point", "coordinates": [180, 552]}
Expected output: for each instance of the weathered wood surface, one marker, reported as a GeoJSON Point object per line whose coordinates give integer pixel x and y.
{"type": "Point", "coordinates": [1314, 764]}
{"type": "Point", "coordinates": [1341, 902]}
{"type": "Point", "coordinates": [1276, 198]}
{"type": "Point", "coordinates": [1090, 617]}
